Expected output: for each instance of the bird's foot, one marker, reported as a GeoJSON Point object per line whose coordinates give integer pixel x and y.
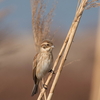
{"type": "Point", "coordinates": [51, 71]}
{"type": "Point", "coordinates": [45, 86]}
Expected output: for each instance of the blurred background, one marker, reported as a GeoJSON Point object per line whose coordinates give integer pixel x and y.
{"type": "Point", "coordinates": [17, 50]}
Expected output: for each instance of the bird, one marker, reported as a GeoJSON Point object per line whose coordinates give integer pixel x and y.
{"type": "Point", "coordinates": [42, 63]}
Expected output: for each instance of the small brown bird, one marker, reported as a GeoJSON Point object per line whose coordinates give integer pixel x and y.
{"type": "Point", "coordinates": [42, 63]}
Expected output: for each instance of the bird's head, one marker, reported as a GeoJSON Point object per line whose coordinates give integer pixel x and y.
{"type": "Point", "coordinates": [46, 46]}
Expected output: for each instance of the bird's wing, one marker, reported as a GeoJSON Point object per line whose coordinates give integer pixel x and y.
{"type": "Point", "coordinates": [34, 68]}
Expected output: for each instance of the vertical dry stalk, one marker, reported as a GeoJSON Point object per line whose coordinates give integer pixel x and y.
{"type": "Point", "coordinates": [95, 91]}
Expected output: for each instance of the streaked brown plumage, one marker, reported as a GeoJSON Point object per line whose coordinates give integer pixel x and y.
{"type": "Point", "coordinates": [42, 63]}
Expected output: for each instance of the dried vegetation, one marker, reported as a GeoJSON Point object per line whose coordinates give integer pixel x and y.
{"type": "Point", "coordinates": [41, 28]}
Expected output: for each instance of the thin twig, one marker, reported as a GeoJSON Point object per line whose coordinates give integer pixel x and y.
{"type": "Point", "coordinates": [71, 62]}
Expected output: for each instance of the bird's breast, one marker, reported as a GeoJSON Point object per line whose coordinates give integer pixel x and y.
{"type": "Point", "coordinates": [44, 65]}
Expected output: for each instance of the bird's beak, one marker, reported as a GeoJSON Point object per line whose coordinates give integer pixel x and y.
{"type": "Point", "coordinates": [52, 46]}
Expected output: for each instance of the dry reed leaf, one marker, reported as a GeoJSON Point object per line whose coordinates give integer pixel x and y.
{"type": "Point", "coordinates": [92, 1]}
{"type": "Point", "coordinates": [71, 62]}
{"type": "Point", "coordinates": [92, 4]}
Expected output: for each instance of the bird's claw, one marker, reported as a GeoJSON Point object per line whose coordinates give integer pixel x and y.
{"type": "Point", "coordinates": [51, 71]}
{"type": "Point", "coordinates": [45, 86]}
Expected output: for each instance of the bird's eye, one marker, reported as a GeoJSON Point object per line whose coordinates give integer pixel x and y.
{"type": "Point", "coordinates": [44, 47]}
{"type": "Point", "coordinates": [48, 45]}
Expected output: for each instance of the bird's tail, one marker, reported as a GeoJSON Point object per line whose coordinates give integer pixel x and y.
{"type": "Point", "coordinates": [35, 89]}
